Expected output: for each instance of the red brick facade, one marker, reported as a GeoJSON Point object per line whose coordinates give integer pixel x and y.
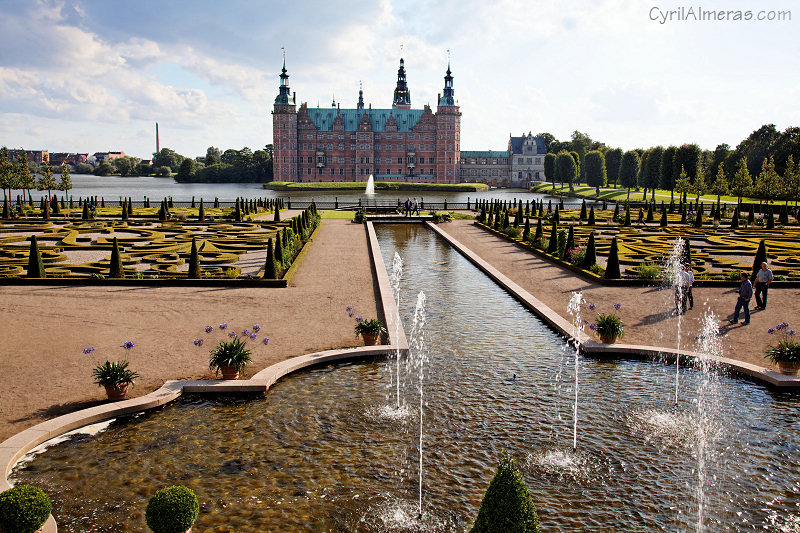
{"type": "Point", "coordinates": [397, 144]}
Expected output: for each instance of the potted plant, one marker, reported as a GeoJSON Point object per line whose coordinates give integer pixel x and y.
{"type": "Point", "coordinates": [172, 510]}
{"type": "Point", "coordinates": [24, 509]}
{"type": "Point", "coordinates": [609, 327]}
{"type": "Point", "coordinates": [230, 358]}
{"type": "Point", "coordinates": [115, 377]}
{"type": "Point", "coordinates": [369, 330]}
{"type": "Point", "coordinates": [786, 354]}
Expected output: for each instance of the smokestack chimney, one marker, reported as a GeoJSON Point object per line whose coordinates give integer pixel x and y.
{"type": "Point", "coordinates": [158, 147]}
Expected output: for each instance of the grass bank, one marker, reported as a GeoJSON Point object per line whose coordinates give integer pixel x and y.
{"type": "Point", "coordinates": [379, 186]}
{"type": "Point", "coordinates": [621, 194]}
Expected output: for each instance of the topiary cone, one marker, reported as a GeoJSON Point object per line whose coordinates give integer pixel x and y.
{"type": "Point", "coordinates": [591, 221]}
{"type": "Point", "coordinates": [115, 268]}
{"type": "Point", "coordinates": [269, 268]}
{"type": "Point", "coordinates": [612, 269]}
{"type": "Point", "coordinates": [85, 212]}
{"type": "Point", "coordinates": [552, 246]}
{"type": "Point", "coordinates": [507, 506]}
{"type": "Point", "coordinates": [194, 262]}
{"type": "Point", "coordinates": [279, 250]}
{"type": "Point", "coordinates": [591, 253]}
{"type": "Point", "coordinates": [761, 257]}
{"type": "Point", "coordinates": [6, 212]}
{"type": "Point", "coordinates": [46, 211]}
{"type": "Point", "coordinates": [35, 263]}
{"type": "Point", "coordinates": [570, 240]}
{"type": "Point", "coordinates": [201, 213]}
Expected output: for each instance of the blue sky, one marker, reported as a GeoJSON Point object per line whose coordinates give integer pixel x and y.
{"type": "Point", "coordinates": [95, 75]}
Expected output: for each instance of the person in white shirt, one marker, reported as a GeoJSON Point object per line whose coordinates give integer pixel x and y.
{"type": "Point", "coordinates": [688, 281]}
{"type": "Point", "coordinates": [763, 278]}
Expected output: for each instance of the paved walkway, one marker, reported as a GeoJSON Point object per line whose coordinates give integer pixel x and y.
{"type": "Point", "coordinates": [43, 372]}
{"type": "Point", "coordinates": [648, 312]}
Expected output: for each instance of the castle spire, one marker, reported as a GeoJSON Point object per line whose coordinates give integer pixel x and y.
{"type": "Point", "coordinates": [283, 95]}
{"type": "Point", "coordinates": [360, 97]}
{"type": "Point", "coordinates": [448, 99]}
{"type": "Point", "coordinates": [402, 98]}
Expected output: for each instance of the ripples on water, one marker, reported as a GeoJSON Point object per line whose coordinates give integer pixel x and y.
{"type": "Point", "coordinates": [327, 449]}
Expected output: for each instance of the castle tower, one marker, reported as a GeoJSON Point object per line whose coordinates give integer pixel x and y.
{"type": "Point", "coordinates": [448, 129]}
{"type": "Point", "coordinates": [284, 132]}
{"type": "Point", "coordinates": [402, 98]}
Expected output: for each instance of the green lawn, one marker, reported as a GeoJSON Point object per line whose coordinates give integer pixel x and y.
{"type": "Point", "coordinates": [379, 186]}
{"type": "Point", "coordinates": [620, 194]}
{"type": "Point", "coordinates": [336, 214]}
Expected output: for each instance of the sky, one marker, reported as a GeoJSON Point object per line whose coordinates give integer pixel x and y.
{"type": "Point", "coordinates": [96, 75]}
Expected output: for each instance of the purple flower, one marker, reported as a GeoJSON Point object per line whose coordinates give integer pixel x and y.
{"type": "Point", "coordinates": [245, 333]}
{"type": "Point", "coordinates": [209, 329]}
{"type": "Point", "coordinates": [592, 307]}
{"type": "Point", "coordinates": [88, 350]}
{"type": "Point", "coordinates": [256, 328]}
{"type": "Point", "coordinates": [128, 345]}
{"type": "Point", "coordinates": [266, 341]}
{"type": "Point", "coordinates": [791, 332]}
{"type": "Point", "coordinates": [359, 319]}
{"type": "Point", "coordinates": [254, 336]}
{"type": "Point", "coordinates": [593, 326]}
{"type": "Point", "coordinates": [617, 306]}
{"type": "Point", "coordinates": [232, 334]}
{"type": "Point", "coordinates": [771, 330]}
{"type": "Point", "coordinates": [349, 311]}
{"type": "Point", "coordinates": [224, 325]}
{"type": "Point", "coordinates": [198, 342]}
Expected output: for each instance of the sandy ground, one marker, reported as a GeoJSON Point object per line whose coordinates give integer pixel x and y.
{"type": "Point", "coordinates": [647, 312]}
{"type": "Point", "coordinates": [44, 373]}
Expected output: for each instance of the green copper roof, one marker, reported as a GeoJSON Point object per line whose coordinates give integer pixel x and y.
{"type": "Point", "coordinates": [406, 119]}
{"type": "Point", "coordinates": [484, 153]}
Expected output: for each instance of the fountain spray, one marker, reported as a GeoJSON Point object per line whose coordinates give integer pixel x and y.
{"type": "Point", "coordinates": [397, 274]}
{"type": "Point", "coordinates": [675, 272]}
{"type": "Point", "coordinates": [574, 309]}
{"type": "Point", "coordinates": [418, 357]}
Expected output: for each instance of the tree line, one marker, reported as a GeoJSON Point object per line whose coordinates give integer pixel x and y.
{"type": "Point", "coordinates": [23, 176]}
{"type": "Point", "coordinates": [764, 165]}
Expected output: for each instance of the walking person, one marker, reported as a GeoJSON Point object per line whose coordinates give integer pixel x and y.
{"type": "Point", "coordinates": [407, 207]}
{"type": "Point", "coordinates": [763, 278]}
{"type": "Point", "coordinates": [688, 281]}
{"type": "Point", "coordinates": [416, 206]}
{"type": "Point", "coordinates": [745, 293]}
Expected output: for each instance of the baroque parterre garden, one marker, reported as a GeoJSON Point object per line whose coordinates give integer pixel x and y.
{"type": "Point", "coordinates": [722, 243]}
{"type": "Point", "coordinates": [154, 242]}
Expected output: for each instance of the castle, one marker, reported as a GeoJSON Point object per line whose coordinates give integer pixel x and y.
{"type": "Point", "coordinates": [398, 144]}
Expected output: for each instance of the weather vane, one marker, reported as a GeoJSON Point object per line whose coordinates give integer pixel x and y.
{"type": "Point", "coordinates": [283, 51]}
{"type": "Point", "coordinates": [401, 49]}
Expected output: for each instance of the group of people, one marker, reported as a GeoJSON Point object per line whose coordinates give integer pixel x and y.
{"type": "Point", "coordinates": [410, 207]}
{"type": "Point", "coordinates": [683, 292]}
{"type": "Point", "coordinates": [763, 278]}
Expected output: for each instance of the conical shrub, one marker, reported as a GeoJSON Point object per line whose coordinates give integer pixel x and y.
{"type": "Point", "coordinates": [735, 218]}
{"type": "Point", "coordinates": [35, 263]}
{"type": "Point", "coordinates": [269, 269]}
{"type": "Point", "coordinates": [591, 252]}
{"type": "Point", "coordinates": [687, 252]}
{"type": "Point", "coordinates": [761, 257]}
{"type": "Point", "coordinates": [194, 261]}
{"type": "Point", "coordinates": [627, 215]}
{"type": "Point", "coordinates": [85, 212]}
{"type": "Point", "coordinates": [125, 211]}
{"type": "Point", "coordinates": [591, 221]}
{"type": "Point", "coordinates": [201, 213]}
{"type": "Point", "coordinates": [6, 210]}
{"type": "Point", "coordinates": [612, 269]}
{"type": "Point", "coordinates": [539, 231]}
{"type": "Point", "coordinates": [507, 506]}
{"type": "Point", "coordinates": [279, 250]}
{"type": "Point", "coordinates": [570, 239]}
{"type": "Point", "coordinates": [526, 231]}
{"type": "Point", "coordinates": [552, 246]}
{"type": "Point", "coordinates": [770, 219]}
{"type": "Point", "coordinates": [115, 269]}
{"type": "Point", "coordinates": [46, 210]}
{"type": "Point", "coordinates": [277, 217]}
{"type": "Point", "coordinates": [583, 210]}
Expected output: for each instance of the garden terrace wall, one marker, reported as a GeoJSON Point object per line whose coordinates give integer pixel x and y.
{"type": "Point", "coordinates": [621, 282]}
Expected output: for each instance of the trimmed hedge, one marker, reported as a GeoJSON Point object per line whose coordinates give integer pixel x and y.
{"type": "Point", "coordinates": [507, 506]}
{"type": "Point", "coordinates": [172, 510]}
{"type": "Point", "coordinates": [24, 509]}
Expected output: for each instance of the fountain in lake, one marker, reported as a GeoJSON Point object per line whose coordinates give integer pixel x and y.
{"type": "Point", "coordinates": [370, 188]}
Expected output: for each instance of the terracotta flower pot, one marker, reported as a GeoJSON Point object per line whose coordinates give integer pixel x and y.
{"type": "Point", "coordinates": [229, 372]}
{"type": "Point", "coordinates": [117, 394]}
{"type": "Point", "coordinates": [369, 340]}
{"type": "Point", "coordinates": [608, 339]}
{"type": "Point", "coordinates": [790, 369]}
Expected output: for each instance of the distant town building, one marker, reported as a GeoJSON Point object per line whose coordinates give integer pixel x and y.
{"type": "Point", "coordinates": [101, 157]}
{"type": "Point", "coordinates": [527, 159]}
{"type": "Point", "coordinates": [34, 156]}
{"type": "Point", "coordinates": [489, 166]}
{"type": "Point", "coordinates": [394, 144]}
{"type": "Point", "coordinates": [59, 158]}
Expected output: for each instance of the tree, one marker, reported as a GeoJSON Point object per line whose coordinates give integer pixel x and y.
{"type": "Point", "coordinates": [742, 182]}
{"type": "Point", "coordinates": [591, 253]}
{"type": "Point", "coordinates": [667, 181]}
{"type": "Point", "coordinates": [47, 182]}
{"type": "Point", "coordinates": [194, 261]}
{"type": "Point", "coordinates": [757, 147]}
{"type": "Point", "coordinates": [699, 186]}
{"type": "Point", "coordinates": [186, 170]}
{"type": "Point", "coordinates": [7, 177]}
{"type": "Point", "coordinates": [212, 156]}
{"type": "Point", "coordinates": [550, 168]}
{"type": "Point", "coordinates": [578, 163]}
{"type": "Point", "coordinates": [720, 185]}
{"type": "Point", "coordinates": [566, 168]}
{"type": "Point", "coordinates": [35, 264]}
{"type": "Point", "coordinates": [768, 183]}
{"type": "Point", "coordinates": [612, 267]}
{"type": "Point", "coordinates": [167, 158]}
{"type": "Point", "coordinates": [507, 506]}
{"type": "Point", "coordinates": [103, 169]}
{"type": "Point", "coordinates": [613, 163]}
{"type": "Point", "coordinates": [24, 178]}
{"type": "Point", "coordinates": [126, 166]}
{"type": "Point", "coordinates": [652, 171]}
{"type": "Point", "coordinates": [682, 184]}
{"type": "Point", "coordinates": [791, 181]}
{"type": "Point", "coordinates": [629, 170]}
{"type": "Point", "coordinates": [596, 170]}
{"type": "Point", "coordinates": [115, 268]}
{"type": "Point", "coordinates": [548, 139]}
{"type": "Point", "coordinates": [687, 158]}
{"type": "Point", "coordinates": [65, 183]}
{"type": "Point", "coordinates": [269, 268]}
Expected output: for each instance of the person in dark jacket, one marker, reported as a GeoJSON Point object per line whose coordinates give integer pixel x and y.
{"type": "Point", "coordinates": [745, 293]}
